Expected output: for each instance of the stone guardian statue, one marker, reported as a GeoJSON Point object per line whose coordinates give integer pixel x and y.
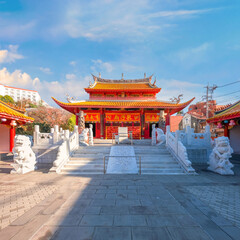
{"type": "Point", "coordinates": [219, 158]}
{"type": "Point", "coordinates": [24, 157]}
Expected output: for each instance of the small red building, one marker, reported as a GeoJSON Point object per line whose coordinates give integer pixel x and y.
{"type": "Point", "coordinates": [128, 103]}
{"type": "Point", "coordinates": [229, 120]}
{"type": "Point", "coordinates": [10, 117]}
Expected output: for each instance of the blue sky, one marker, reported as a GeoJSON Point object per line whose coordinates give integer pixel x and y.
{"type": "Point", "coordinates": [53, 46]}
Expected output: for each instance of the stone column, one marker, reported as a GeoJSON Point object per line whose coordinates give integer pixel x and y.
{"type": "Point", "coordinates": [81, 121]}
{"type": "Point", "coordinates": [161, 123]}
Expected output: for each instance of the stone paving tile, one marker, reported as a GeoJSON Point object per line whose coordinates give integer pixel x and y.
{"type": "Point", "coordinates": [162, 221]}
{"type": "Point", "coordinates": [97, 220]}
{"type": "Point", "coordinates": [225, 200]}
{"type": "Point", "coordinates": [179, 233]}
{"type": "Point", "coordinates": [17, 199]}
{"type": "Point", "coordinates": [129, 220]}
{"type": "Point", "coordinates": [114, 210]}
{"type": "Point", "coordinates": [147, 233]}
{"type": "Point", "coordinates": [71, 233]}
{"type": "Point", "coordinates": [148, 210]}
{"type": "Point", "coordinates": [112, 233]}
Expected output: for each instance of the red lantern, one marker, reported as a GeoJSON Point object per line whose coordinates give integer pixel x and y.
{"type": "Point", "coordinates": [219, 125]}
{"type": "Point", "coordinates": [232, 123]}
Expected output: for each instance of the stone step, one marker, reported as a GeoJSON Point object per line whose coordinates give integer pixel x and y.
{"type": "Point", "coordinates": [92, 171]}
{"type": "Point", "coordinates": [172, 170]}
{"type": "Point", "coordinates": [148, 166]}
{"type": "Point", "coordinates": [86, 158]}
{"type": "Point", "coordinates": [85, 167]}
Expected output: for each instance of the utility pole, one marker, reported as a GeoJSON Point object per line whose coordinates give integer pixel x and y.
{"type": "Point", "coordinates": [208, 97]}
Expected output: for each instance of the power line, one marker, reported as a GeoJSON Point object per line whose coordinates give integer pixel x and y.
{"type": "Point", "coordinates": [229, 84]}
{"type": "Point", "coordinates": [227, 94]}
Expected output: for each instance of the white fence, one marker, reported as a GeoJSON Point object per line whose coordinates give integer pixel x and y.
{"type": "Point", "coordinates": [196, 140]}
{"type": "Point", "coordinates": [178, 150]}
{"type": "Point", "coordinates": [69, 144]}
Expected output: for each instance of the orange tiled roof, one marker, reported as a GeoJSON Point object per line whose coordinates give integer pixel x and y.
{"type": "Point", "coordinates": [231, 112]}
{"type": "Point", "coordinates": [124, 104]}
{"type": "Point", "coordinates": [8, 112]}
{"type": "Point", "coordinates": [124, 86]}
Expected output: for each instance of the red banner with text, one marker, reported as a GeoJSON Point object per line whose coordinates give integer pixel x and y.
{"type": "Point", "coordinates": [123, 117]}
{"type": "Point", "coordinates": [92, 117]}
{"type": "Point", "coordinates": [151, 117]}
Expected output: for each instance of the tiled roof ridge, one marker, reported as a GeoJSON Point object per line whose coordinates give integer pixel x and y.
{"type": "Point", "coordinates": [8, 111]}
{"type": "Point", "coordinates": [13, 107]}
{"type": "Point", "coordinates": [140, 80]}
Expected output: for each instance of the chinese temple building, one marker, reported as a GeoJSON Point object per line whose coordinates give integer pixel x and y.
{"type": "Point", "coordinates": [128, 103]}
{"type": "Point", "coordinates": [10, 117]}
{"type": "Point", "coordinates": [229, 120]}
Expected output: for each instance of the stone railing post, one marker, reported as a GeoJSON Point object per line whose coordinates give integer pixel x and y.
{"type": "Point", "coordinates": [66, 134]}
{"type": "Point", "coordinates": [189, 135]}
{"type": "Point", "coordinates": [177, 134]}
{"type": "Point", "coordinates": [207, 137]}
{"type": "Point", "coordinates": [36, 135]}
{"type": "Point", "coordinates": [167, 133]}
{"type": "Point", "coordinates": [55, 134]}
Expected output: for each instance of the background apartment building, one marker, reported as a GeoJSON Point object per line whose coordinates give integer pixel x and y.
{"type": "Point", "coordinates": [19, 94]}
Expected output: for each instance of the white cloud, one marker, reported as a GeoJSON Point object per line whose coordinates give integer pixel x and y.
{"type": "Point", "coordinates": [173, 88]}
{"type": "Point", "coordinates": [178, 13]}
{"type": "Point", "coordinates": [46, 70]}
{"type": "Point", "coordinates": [18, 79]}
{"type": "Point", "coordinates": [73, 63]}
{"type": "Point", "coordinates": [71, 84]}
{"type": "Point", "coordinates": [10, 55]}
{"type": "Point", "coordinates": [100, 66]}
{"type": "Point", "coordinates": [190, 57]}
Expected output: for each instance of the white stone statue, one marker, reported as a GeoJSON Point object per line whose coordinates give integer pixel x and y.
{"type": "Point", "coordinates": [24, 157]}
{"type": "Point", "coordinates": [161, 138]}
{"type": "Point", "coordinates": [154, 139]}
{"type": "Point", "coordinates": [84, 137]}
{"type": "Point", "coordinates": [90, 135]}
{"type": "Point", "coordinates": [219, 158]}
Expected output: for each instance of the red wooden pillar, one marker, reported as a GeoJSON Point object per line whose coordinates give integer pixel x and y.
{"type": "Point", "coordinates": [168, 119]}
{"type": "Point", "coordinates": [226, 132]}
{"type": "Point", "coordinates": [12, 136]}
{"type": "Point", "coordinates": [76, 119]}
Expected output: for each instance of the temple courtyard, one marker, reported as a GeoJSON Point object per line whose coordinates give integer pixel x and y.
{"type": "Point", "coordinates": [43, 205]}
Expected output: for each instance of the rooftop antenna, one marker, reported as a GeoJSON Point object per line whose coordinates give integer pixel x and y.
{"type": "Point", "coordinates": [99, 75]}
{"type": "Point", "coordinates": [144, 75]}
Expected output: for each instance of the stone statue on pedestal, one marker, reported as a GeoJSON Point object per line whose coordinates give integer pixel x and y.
{"type": "Point", "coordinates": [24, 157]}
{"type": "Point", "coordinates": [219, 158]}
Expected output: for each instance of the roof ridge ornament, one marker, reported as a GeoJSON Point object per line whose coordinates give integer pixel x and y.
{"type": "Point", "coordinates": [177, 100]}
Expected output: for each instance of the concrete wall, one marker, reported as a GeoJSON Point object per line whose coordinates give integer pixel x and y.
{"type": "Point", "coordinates": [234, 135]}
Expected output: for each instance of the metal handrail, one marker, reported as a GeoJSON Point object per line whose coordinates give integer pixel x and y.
{"type": "Point", "coordinates": [136, 156]}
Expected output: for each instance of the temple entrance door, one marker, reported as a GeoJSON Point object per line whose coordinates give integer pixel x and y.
{"type": "Point", "coordinates": [94, 128]}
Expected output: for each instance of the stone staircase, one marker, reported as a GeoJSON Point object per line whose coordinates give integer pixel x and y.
{"type": "Point", "coordinates": [157, 160]}
{"type": "Point", "coordinates": [87, 160]}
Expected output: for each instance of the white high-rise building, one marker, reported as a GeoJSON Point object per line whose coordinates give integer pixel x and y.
{"type": "Point", "coordinates": [19, 94]}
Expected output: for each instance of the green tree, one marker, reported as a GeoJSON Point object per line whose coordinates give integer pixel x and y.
{"type": "Point", "coordinates": [71, 122]}
{"type": "Point", "coordinates": [7, 99]}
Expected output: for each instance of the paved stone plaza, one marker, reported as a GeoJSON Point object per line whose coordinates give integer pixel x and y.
{"type": "Point", "coordinates": [40, 205]}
